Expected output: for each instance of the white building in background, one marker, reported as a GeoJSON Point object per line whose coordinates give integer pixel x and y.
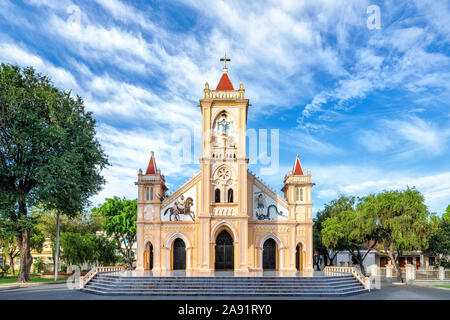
{"type": "Point", "coordinates": [418, 258]}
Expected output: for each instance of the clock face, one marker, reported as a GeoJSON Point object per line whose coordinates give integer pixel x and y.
{"type": "Point", "coordinates": [224, 173]}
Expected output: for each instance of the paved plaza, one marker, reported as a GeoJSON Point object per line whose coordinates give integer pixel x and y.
{"type": "Point", "coordinates": [61, 292]}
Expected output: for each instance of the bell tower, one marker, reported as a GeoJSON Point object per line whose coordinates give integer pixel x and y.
{"type": "Point", "coordinates": [224, 161]}
{"type": "Point", "coordinates": [297, 192]}
{"type": "Point", "coordinates": [151, 191]}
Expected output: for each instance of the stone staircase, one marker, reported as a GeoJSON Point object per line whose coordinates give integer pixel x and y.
{"type": "Point", "coordinates": [323, 286]}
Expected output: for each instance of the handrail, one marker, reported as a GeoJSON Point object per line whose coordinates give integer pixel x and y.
{"type": "Point", "coordinates": [366, 282]}
{"type": "Point", "coordinates": [91, 274]}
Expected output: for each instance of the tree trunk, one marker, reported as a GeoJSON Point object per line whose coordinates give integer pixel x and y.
{"type": "Point", "coordinates": [11, 264]}
{"type": "Point", "coordinates": [361, 267]}
{"type": "Point", "coordinates": [24, 245]}
{"type": "Point", "coordinates": [25, 257]}
{"type": "Point", "coordinates": [397, 267]}
{"type": "Point", "coordinates": [57, 247]}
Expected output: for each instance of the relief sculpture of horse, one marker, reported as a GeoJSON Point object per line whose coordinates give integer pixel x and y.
{"type": "Point", "coordinates": [176, 211]}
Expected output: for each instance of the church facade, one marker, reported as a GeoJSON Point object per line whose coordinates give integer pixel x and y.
{"type": "Point", "coordinates": [224, 218]}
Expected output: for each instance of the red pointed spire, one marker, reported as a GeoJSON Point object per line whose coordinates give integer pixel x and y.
{"type": "Point", "coordinates": [225, 83]}
{"type": "Point", "coordinates": [297, 168]}
{"type": "Point", "coordinates": [151, 169]}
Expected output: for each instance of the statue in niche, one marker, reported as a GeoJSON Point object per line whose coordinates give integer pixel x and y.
{"type": "Point", "coordinates": [231, 143]}
{"type": "Point", "coordinates": [223, 126]}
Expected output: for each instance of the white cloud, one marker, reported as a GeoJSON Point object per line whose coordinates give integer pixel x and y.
{"type": "Point", "coordinates": [129, 150]}
{"type": "Point", "coordinates": [128, 14]}
{"type": "Point", "coordinates": [374, 141]}
{"type": "Point", "coordinates": [422, 134]}
{"type": "Point", "coordinates": [12, 53]}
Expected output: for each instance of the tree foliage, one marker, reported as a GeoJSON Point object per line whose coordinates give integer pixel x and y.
{"type": "Point", "coordinates": [119, 216]}
{"type": "Point", "coordinates": [49, 154]}
{"type": "Point", "coordinates": [439, 241]}
{"type": "Point", "coordinates": [346, 230]}
{"type": "Point", "coordinates": [78, 249]}
{"type": "Point", "coordinates": [331, 209]}
{"type": "Point", "coordinates": [399, 218]}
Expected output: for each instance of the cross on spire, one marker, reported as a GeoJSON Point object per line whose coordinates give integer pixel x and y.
{"type": "Point", "coordinates": [225, 59]}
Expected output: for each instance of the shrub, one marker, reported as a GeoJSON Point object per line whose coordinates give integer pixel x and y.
{"type": "Point", "coordinates": [38, 265]}
{"type": "Point", "coordinates": [4, 270]}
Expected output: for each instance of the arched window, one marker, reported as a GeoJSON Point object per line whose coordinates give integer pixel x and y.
{"type": "Point", "coordinates": [148, 193]}
{"type": "Point", "coordinates": [217, 195]}
{"type": "Point", "coordinates": [299, 194]}
{"type": "Point", "coordinates": [230, 195]}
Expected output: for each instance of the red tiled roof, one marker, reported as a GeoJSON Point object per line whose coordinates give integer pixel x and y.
{"type": "Point", "coordinates": [151, 169]}
{"type": "Point", "coordinates": [225, 83]}
{"type": "Point", "coordinates": [297, 168]}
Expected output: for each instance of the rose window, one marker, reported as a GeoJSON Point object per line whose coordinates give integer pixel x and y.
{"type": "Point", "coordinates": [224, 173]}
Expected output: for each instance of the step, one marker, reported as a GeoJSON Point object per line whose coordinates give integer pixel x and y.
{"type": "Point", "coordinates": [253, 294]}
{"type": "Point", "coordinates": [216, 290]}
{"type": "Point", "coordinates": [225, 286]}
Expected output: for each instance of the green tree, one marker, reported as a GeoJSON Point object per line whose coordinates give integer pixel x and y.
{"type": "Point", "coordinates": [37, 239]}
{"type": "Point", "coordinates": [120, 223]}
{"type": "Point", "coordinates": [83, 223]}
{"type": "Point", "coordinates": [439, 241]}
{"type": "Point", "coordinates": [48, 152]}
{"type": "Point", "coordinates": [400, 220]}
{"type": "Point", "coordinates": [105, 251]}
{"type": "Point", "coordinates": [331, 209]}
{"type": "Point", "coordinates": [11, 250]}
{"type": "Point", "coordinates": [77, 249]}
{"type": "Point", "coordinates": [38, 265]}
{"type": "Point", "coordinates": [10, 245]}
{"type": "Point", "coordinates": [346, 232]}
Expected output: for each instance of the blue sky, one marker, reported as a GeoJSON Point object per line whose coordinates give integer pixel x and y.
{"type": "Point", "coordinates": [366, 109]}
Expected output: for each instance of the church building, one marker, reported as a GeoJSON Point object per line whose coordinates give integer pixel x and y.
{"type": "Point", "coordinates": [224, 218]}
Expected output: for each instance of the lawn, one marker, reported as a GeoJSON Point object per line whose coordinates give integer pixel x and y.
{"type": "Point", "coordinates": [33, 279]}
{"type": "Point", "coordinates": [442, 286]}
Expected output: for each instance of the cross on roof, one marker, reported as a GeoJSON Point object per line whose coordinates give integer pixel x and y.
{"type": "Point", "coordinates": [225, 59]}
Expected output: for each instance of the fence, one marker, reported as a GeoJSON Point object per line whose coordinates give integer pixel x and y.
{"type": "Point", "coordinates": [410, 273]}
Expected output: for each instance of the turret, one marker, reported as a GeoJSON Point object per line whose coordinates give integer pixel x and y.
{"type": "Point", "coordinates": [151, 191]}
{"type": "Point", "coordinates": [297, 192]}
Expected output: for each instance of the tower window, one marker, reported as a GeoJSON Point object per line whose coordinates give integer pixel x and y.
{"type": "Point", "coordinates": [149, 193]}
{"type": "Point", "coordinates": [217, 195]}
{"type": "Point", "coordinates": [230, 195]}
{"type": "Point", "coordinates": [298, 194]}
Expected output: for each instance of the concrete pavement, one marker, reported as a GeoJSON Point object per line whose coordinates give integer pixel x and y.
{"type": "Point", "coordinates": [61, 292]}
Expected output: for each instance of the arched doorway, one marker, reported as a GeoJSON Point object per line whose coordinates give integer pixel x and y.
{"type": "Point", "coordinates": [298, 257]}
{"type": "Point", "coordinates": [224, 259]}
{"type": "Point", "coordinates": [269, 255]}
{"type": "Point", "coordinates": [179, 254]}
{"type": "Point", "coordinates": [148, 256]}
